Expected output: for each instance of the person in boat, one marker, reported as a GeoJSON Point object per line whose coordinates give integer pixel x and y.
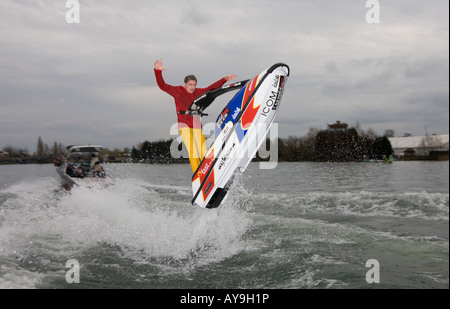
{"type": "Point", "coordinates": [94, 161]}
{"type": "Point", "coordinates": [80, 172]}
{"type": "Point", "coordinates": [70, 170]}
{"type": "Point", "coordinates": [97, 170]}
{"type": "Point", "coordinates": [190, 127]}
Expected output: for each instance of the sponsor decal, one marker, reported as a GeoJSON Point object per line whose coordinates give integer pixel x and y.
{"type": "Point", "coordinates": [222, 117]}
{"type": "Point", "coordinates": [236, 113]}
{"type": "Point", "coordinates": [200, 98]}
{"type": "Point", "coordinates": [226, 130]}
{"type": "Point", "coordinates": [280, 92]}
{"type": "Point", "coordinates": [275, 81]}
{"type": "Point", "coordinates": [203, 172]}
{"type": "Point", "coordinates": [206, 190]}
{"type": "Point", "coordinates": [208, 187]}
{"type": "Point", "coordinates": [204, 168]}
{"type": "Point", "coordinates": [226, 156]}
{"type": "Point", "coordinates": [271, 103]}
{"type": "Point", "coordinates": [275, 96]}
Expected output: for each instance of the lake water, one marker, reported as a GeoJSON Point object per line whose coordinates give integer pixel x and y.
{"type": "Point", "coordinates": [298, 226]}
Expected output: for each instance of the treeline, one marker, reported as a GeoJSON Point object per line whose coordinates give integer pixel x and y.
{"type": "Point", "coordinates": [158, 152]}
{"type": "Point", "coordinates": [330, 145]}
{"type": "Point", "coordinates": [46, 154]}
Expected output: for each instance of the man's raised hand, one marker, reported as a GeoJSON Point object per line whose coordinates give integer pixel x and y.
{"type": "Point", "coordinates": [159, 65]}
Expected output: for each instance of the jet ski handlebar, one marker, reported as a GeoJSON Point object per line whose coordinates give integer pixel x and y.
{"type": "Point", "coordinates": [192, 113]}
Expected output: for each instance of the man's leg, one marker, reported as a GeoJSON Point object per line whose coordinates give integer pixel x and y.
{"type": "Point", "coordinates": [200, 144]}
{"type": "Point", "coordinates": [194, 140]}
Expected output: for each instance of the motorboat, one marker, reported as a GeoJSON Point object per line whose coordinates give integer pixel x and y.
{"type": "Point", "coordinates": [81, 167]}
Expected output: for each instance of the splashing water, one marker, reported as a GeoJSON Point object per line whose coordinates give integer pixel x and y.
{"type": "Point", "coordinates": [139, 219]}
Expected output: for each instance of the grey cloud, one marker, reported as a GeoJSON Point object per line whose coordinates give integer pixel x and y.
{"type": "Point", "coordinates": [193, 14]}
{"type": "Point", "coordinates": [94, 81]}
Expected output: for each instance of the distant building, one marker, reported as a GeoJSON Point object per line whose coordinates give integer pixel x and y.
{"type": "Point", "coordinates": [338, 125]}
{"type": "Point", "coordinates": [4, 154]}
{"type": "Point", "coordinates": [419, 145]}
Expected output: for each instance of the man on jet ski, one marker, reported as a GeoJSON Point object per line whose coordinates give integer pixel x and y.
{"type": "Point", "coordinates": [189, 126]}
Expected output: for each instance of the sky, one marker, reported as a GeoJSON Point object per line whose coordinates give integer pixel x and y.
{"type": "Point", "coordinates": [92, 82]}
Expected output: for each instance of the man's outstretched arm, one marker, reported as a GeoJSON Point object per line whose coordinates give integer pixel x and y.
{"type": "Point", "coordinates": [159, 78]}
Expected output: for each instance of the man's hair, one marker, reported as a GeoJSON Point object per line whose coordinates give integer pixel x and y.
{"type": "Point", "coordinates": [190, 77]}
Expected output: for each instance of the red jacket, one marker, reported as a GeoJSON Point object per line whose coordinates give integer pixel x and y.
{"type": "Point", "coordinates": [183, 99]}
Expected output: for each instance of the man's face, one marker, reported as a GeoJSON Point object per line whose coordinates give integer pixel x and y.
{"type": "Point", "coordinates": [190, 86]}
